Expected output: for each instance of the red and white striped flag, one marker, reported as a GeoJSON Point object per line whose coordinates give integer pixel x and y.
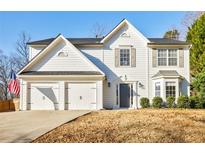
{"type": "Point", "coordinates": [13, 86]}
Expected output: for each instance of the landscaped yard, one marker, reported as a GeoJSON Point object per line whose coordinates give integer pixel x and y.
{"type": "Point", "coordinates": [145, 125]}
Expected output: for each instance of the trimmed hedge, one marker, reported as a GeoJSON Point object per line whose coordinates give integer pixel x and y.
{"type": "Point", "coordinates": [192, 102]}
{"type": "Point", "coordinates": [157, 102]}
{"type": "Point", "coordinates": [170, 102]}
{"type": "Point", "coordinates": [183, 102]}
{"type": "Point", "coordinates": [144, 102]}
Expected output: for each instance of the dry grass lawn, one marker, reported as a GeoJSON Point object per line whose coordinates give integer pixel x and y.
{"type": "Point", "coordinates": [145, 125]}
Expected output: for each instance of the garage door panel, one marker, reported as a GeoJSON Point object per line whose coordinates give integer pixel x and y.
{"type": "Point", "coordinates": [44, 96]}
{"type": "Point", "coordinates": [82, 96]}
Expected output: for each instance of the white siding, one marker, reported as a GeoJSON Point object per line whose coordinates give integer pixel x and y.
{"type": "Point", "coordinates": [34, 50]}
{"type": "Point", "coordinates": [73, 62]}
{"type": "Point", "coordinates": [105, 59]}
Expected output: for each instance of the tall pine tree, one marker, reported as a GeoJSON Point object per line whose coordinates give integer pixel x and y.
{"type": "Point", "coordinates": [196, 36]}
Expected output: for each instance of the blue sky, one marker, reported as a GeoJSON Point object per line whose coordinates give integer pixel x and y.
{"type": "Point", "coordinates": [41, 25]}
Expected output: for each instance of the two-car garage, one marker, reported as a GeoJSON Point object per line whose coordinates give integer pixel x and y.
{"type": "Point", "coordinates": [60, 77]}
{"type": "Point", "coordinates": [74, 96]}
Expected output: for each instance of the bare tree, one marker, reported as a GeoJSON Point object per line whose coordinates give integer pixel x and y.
{"type": "Point", "coordinates": [21, 57]}
{"type": "Point", "coordinates": [172, 34]}
{"type": "Point", "coordinates": [1, 83]}
{"type": "Point", "coordinates": [15, 61]}
{"type": "Point", "coordinates": [98, 30]}
{"type": "Point", "coordinates": [190, 17]}
{"type": "Point", "coordinates": [5, 69]}
{"type": "Point", "coordinates": [188, 20]}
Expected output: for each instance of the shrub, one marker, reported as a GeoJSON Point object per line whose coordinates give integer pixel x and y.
{"type": "Point", "coordinates": [157, 102]}
{"type": "Point", "coordinates": [193, 101]}
{"type": "Point", "coordinates": [183, 102]}
{"type": "Point", "coordinates": [170, 101]}
{"type": "Point", "coordinates": [199, 103]}
{"type": "Point", "coordinates": [144, 102]}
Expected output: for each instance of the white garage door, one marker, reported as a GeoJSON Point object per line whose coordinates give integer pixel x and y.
{"type": "Point", "coordinates": [82, 96]}
{"type": "Point", "coordinates": [44, 96]}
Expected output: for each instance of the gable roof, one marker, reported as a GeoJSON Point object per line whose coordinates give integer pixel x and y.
{"type": "Point", "coordinates": [50, 45]}
{"type": "Point", "coordinates": [100, 41]}
{"type": "Point", "coordinates": [119, 26]}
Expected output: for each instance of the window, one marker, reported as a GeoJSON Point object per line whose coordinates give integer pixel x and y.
{"type": "Point", "coordinates": [162, 57]}
{"type": "Point", "coordinates": [124, 57]}
{"type": "Point", "coordinates": [125, 35]}
{"type": "Point", "coordinates": [172, 55]}
{"type": "Point", "coordinates": [157, 89]}
{"type": "Point", "coordinates": [170, 89]}
{"type": "Point", "coordinates": [167, 57]}
{"type": "Point", "coordinates": [62, 54]}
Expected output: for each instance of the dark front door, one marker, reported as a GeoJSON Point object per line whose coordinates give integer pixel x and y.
{"type": "Point", "coordinates": [124, 95]}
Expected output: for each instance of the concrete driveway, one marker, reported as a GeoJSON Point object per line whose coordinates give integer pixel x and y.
{"type": "Point", "coordinates": [25, 126]}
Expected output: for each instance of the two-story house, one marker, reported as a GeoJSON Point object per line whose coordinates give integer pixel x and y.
{"type": "Point", "coordinates": [110, 72]}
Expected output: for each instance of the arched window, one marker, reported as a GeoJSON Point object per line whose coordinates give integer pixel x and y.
{"type": "Point", "coordinates": [62, 54]}
{"type": "Point", "coordinates": [124, 35]}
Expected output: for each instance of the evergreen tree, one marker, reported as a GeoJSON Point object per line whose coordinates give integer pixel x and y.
{"type": "Point", "coordinates": [196, 36]}
{"type": "Point", "coordinates": [199, 88]}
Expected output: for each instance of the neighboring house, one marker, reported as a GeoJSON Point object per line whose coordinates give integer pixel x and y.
{"type": "Point", "coordinates": [110, 72]}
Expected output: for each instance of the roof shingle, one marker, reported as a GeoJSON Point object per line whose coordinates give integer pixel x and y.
{"type": "Point", "coordinates": [166, 41]}
{"type": "Point", "coordinates": [61, 73]}
{"type": "Point", "coordinates": [95, 41]}
{"type": "Point", "coordinates": [166, 73]}
{"type": "Point", "coordinates": [75, 41]}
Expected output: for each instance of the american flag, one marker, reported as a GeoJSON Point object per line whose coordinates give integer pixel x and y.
{"type": "Point", "coordinates": [13, 85]}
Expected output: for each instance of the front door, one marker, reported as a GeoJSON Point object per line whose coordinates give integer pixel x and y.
{"type": "Point", "coordinates": [124, 95]}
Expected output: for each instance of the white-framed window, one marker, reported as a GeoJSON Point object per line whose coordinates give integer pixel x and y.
{"type": "Point", "coordinates": [167, 57]}
{"type": "Point", "coordinates": [162, 57]}
{"type": "Point", "coordinates": [157, 89]}
{"type": "Point", "coordinates": [172, 57]}
{"type": "Point", "coordinates": [170, 89]}
{"type": "Point", "coordinates": [125, 57]}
